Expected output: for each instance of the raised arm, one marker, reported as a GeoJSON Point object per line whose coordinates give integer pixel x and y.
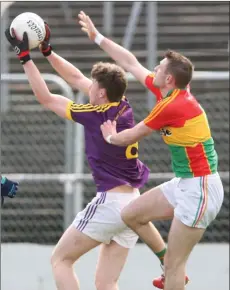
{"type": "Point", "coordinates": [65, 69]}
{"type": "Point", "coordinates": [56, 103]}
{"type": "Point", "coordinates": [53, 102]}
{"type": "Point", "coordinates": [73, 76]}
{"type": "Point", "coordinates": [118, 53]}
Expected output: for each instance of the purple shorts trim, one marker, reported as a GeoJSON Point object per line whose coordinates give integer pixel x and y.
{"type": "Point", "coordinates": [90, 212]}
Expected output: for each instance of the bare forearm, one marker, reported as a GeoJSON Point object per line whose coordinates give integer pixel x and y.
{"type": "Point", "coordinates": [125, 59]}
{"type": "Point", "coordinates": [118, 53]}
{"type": "Point", "coordinates": [37, 83]}
{"type": "Point", "coordinates": [124, 138]}
{"type": "Point", "coordinates": [64, 68]}
{"type": "Point", "coordinates": [121, 55]}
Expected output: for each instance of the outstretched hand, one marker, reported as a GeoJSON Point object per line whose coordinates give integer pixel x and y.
{"type": "Point", "coordinates": [87, 25]}
{"type": "Point", "coordinates": [108, 128]}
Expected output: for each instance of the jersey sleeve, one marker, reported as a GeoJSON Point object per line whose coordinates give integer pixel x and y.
{"type": "Point", "coordinates": [80, 113]}
{"type": "Point", "coordinates": [149, 84]}
{"type": "Point", "coordinates": [157, 118]}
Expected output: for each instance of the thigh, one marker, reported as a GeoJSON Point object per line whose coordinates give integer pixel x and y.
{"type": "Point", "coordinates": [102, 220]}
{"type": "Point", "coordinates": [98, 219]}
{"type": "Point", "coordinates": [72, 245]}
{"type": "Point", "coordinates": [111, 261]}
{"type": "Point", "coordinates": [151, 205]}
{"type": "Point", "coordinates": [181, 241]}
{"type": "Point", "coordinates": [199, 200]}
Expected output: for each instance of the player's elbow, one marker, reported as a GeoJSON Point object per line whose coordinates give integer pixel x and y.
{"type": "Point", "coordinates": [43, 99]}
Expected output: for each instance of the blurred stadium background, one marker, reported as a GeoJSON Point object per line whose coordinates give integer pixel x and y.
{"type": "Point", "coordinates": [37, 146]}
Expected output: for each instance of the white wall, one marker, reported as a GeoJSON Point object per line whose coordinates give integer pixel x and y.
{"type": "Point", "coordinates": [27, 267]}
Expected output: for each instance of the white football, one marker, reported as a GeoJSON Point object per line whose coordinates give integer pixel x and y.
{"type": "Point", "coordinates": [32, 24]}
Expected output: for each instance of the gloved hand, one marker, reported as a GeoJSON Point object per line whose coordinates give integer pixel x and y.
{"type": "Point", "coordinates": [45, 46]}
{"type": "Point", "coordinates": [21, 47]}
{"type": "Point", "coordinates": [8, 188]}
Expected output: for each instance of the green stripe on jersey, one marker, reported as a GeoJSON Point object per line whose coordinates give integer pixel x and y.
{"type": "Point", "coordinates": [180, 161]}
{"type": "Point", "coordinates": [211, 154]}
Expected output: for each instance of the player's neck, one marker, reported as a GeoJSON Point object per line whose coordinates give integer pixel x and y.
{"type": "Point", "coordinates": [167, 91]}
{"type": "Point", "coordinates": [102, 101]}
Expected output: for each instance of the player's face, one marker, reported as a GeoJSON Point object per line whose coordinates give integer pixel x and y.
{"type": "Point", "coordinates": [96, 93]}
{"type": "Point", "coordinates": [161, 78]}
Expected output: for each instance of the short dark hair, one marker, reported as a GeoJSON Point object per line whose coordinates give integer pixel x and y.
{"type": "Point", "coordinates": [180, 67]}
{"type": "Point", "coordinates": [112, 78]}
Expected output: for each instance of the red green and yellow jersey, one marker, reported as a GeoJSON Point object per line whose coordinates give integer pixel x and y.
{"type": "Point", "coordinates": [184, 127]}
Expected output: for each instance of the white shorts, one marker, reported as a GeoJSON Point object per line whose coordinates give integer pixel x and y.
{"type": "Point", "coordinates": [101, 219]}
{"type": "Point", "coordinates": [196, 200]}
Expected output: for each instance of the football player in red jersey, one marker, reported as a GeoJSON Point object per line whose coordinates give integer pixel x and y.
{"type": "Point", "coordinates": [194, 197]}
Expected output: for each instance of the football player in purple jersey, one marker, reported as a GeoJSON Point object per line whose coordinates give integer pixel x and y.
{"type": "Point", "coordinates": [117, 171]}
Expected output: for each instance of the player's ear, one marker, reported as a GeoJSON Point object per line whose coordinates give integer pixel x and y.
{"type": "Point", "coordinates": [169, 79]}
{"type": "Point", "coordinates": [103, 93]}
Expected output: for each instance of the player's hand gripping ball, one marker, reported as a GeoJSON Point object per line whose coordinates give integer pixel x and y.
{"type": "Point", "coordinates": [45, 46]}
{"type": "Point", "coordinates": [30, 23]}
{"type": "Point", "coordinates": [21, 47]}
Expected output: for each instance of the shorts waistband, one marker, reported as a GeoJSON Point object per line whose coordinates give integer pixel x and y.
{"type": "Point", "coordinates": [118, 195]}
{"type": "Point", "coordinates": [212, 175]}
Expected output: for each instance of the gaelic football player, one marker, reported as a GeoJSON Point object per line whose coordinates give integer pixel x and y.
{"type": "Point", "coordinates": [117, 171]}
{"type": "Point", "coordinates": [194, 197]}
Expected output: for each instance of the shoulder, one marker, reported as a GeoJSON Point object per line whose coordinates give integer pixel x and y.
{"type": "Point", "coordinates": [90, 108]}
{"type": "Point", "coordinates": [174, 104]}
{"type": "Point", "coordinates": [185, 105]}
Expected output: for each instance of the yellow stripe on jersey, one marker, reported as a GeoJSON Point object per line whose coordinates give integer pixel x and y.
{"type": "Point", "coordinates": [81, 108]}
{"type": "Point", "coordinates": [81, 105]}
{"type": "Point", "coordinates": [68, 112]}
{"type": "Point", "coordinates": [194, 131]}
{"type": "Point", "coordinates": [161, 105]}
{"type": "Point", "coordinates": [90, 108]}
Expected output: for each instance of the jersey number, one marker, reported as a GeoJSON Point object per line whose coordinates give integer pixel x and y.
{"type": "Point", "coordinates": [132, 151]}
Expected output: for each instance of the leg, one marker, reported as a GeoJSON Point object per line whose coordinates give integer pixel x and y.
{"type": "Point", "coordinates": [152, 205]}
{"type": "Point", "coordinates": [110, 264]}
{"type": "Point", "coordinates": [70, 247]}
{"type": "Point", "coordinates": [181, 241]}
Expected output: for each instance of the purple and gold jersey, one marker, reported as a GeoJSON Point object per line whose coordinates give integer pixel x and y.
{"type": "Point", "coordinates": [111, 165]}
